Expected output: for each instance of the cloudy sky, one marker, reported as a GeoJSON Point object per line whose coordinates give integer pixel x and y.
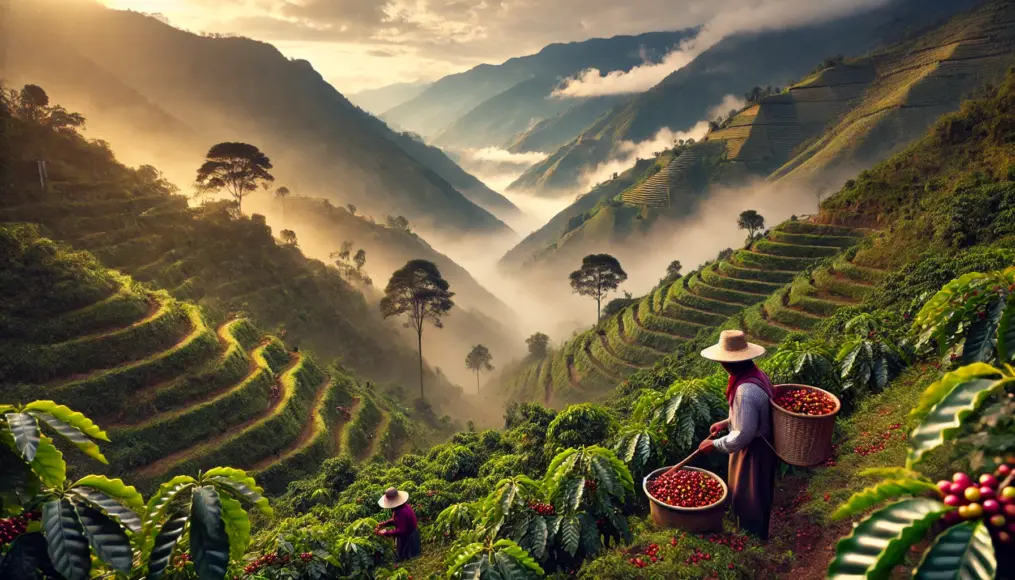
{"type": "Point", "coordinates": [359, 44]}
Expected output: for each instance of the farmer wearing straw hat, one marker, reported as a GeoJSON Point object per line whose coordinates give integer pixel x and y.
{"type": "Point", "coordinates": [405, 530]}
{"type": "Point", "coordinates": [752, 461]}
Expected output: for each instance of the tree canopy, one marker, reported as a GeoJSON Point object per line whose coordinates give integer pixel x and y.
{"type": "Point", "coordinates": [477, 360]}
{"type": "Point", "coordinates": [237, 168]}
{"type": "Point", "coordinates": [538, 345]}
{"type": "Point", "coordinates": [751, 221]}
{"type": "Point", "coordinates": [419, 291]}
{"type": "Point", "coordinates": [599, 275]}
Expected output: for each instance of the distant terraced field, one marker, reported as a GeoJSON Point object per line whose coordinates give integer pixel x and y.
{"type": "Point", "coordinates": [761, 289]}
{"type": "Point", "coordinates": [176, 392]}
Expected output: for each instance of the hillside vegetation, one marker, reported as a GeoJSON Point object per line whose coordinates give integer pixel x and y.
{"type": "Point", "coordinates": [729, 68]}
{"type": "Point", "coordinates": [844, 116]}
{"type": "Point", "coordinates": [133, 221]}
{"type": "Point", "coordinates": [116, 66]}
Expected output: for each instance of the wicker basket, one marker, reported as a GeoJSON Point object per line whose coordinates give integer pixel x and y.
{"type": "Point", "coordinates": [698, 520]}
{"type": "Point", "coordinates": [802, 440]}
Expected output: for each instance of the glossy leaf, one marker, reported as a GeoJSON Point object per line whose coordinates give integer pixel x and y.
{"type": "Point", "coordinates": [113, 487]}
{"type": "Point", "coordinates": [26, 557]}
{"type": "Point", "coordinates": [536, 536]}
{"type": "Point", "coordinates": [165, 500]}
{"type": "Point", "coordinates": [25, 429]}
{"type": "Point", "coordinates": [880, 493]}
{"type": "Point", "coordinates": [944, 421]}
{"type": "Point", "coordinates": [880, 541]}
{"type": "Point", "coordinates": [70, 417]}
{"type": "Point", "coordinates": [237, 526]}
{"type": "Point", "coordinates": [519, 555]}
{"type": "Point", "coordinates": [49, 464]}
{"type": "Point", "coordinates": [463, 557]}
{"type": "Point", "coordinates": [570, 534]}
{"type": "Point", "coordinates": [165, 542]}
{"type": "Point", "coordinates": [79, 439]}
{"type": "Point", "coordinates": [65, 539]}
{"type": "Point", "coordinates": [209, 543]}
{"type": "Point", "coordinates": [933, 394]}
{"type": "Point", "coordinates": [962, 552]}
{"type": "Point", "coordinates": [107, 538]}
{"type": "Point", "coordinates": [1006, 332]}
{"type": "Point", "coordinates": [243, 491]}
{"type": "Point", "coordinates": [982, 335]}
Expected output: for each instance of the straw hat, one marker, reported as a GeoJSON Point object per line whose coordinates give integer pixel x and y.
{"type": "Point", "coordinates": [733, 347]}
{"type": "Point", "coordinates": [393, 498]}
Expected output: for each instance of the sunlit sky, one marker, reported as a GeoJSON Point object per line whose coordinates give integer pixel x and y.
{"type": "Point", "coordinates": [361, 44]}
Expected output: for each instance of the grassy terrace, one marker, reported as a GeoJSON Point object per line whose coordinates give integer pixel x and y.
{"type": "Point", "coordinates": [770, 290]}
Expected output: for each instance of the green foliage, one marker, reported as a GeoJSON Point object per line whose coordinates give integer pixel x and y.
{"type": "Point", "coordinates": [802, 361]}
{"type": "Point", "coordinates": [599, 275]}
{"type": "Point", "coordinates": [578, 425]}
{"type": "Point", "coordinates": [500, 560]}
{"type": "Point", "coordinates": [869, 359]}
{"type": "Point", "coordinates": [878, 494]}
{"type": "Point", "coordinates": [962, 551]}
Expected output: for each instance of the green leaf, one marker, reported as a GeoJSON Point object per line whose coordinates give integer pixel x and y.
{"type": "Point", "coordinates": [165, 542]}
{"type": "Point", "coordinates": [880, 542]}
{"type": "Point", "coordinates": [962, 552]}
{"type": "Point", "coordinates": [25, 557]}
{"type": "Point", "coordinates": [164, 501]}
{"type": "Point", "coordinates": [606, 479]}
{"type": "Point", "coordinates": [107, 538]}
{"type": "Point", "coordinates": [115, 488]}
{"type": "Point", "coordinates": [463, 557]}
{"type": "Point", "coordinates": [574, 490]}
{"type": "Point", "coordinates": [209, 543]}
{"type": "Point", "coordinates": [241, 490]}
{"type": "Point", "coordinates": [25, 429]}
{"type": "Point", "coordinates": [517, 553]}
{"type": "Point", "coordinates": [109, 506]}
{"type": "Point", "coordinates": [877, 494]}
{"type": "Point", "coordinates": [537, 535]}
{"type": "Point", "coordinates": [570, 534]}
{"type": "Point", "coordinates": [49, 464]}
{"type": "Point", "coordinates": [945, 419]}
{"type": "Point", "coordinates": [933, 394]}
{"type": "Point", "coordinates": [1006, 332]}
{"type": "Point", "coordinates": [979, 344]}
{"type": "Point", "coordinates": [65, 539]}
{"type": "Point", "coordinates": [73, 435]}
{"type": "Point", "coordinates": [237, 526]}
{"type": "Point", "coordinates": [70, 417]}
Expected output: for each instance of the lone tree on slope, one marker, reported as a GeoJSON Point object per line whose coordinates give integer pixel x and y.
{"type": "Point", "coordinates": [538, 344]}
{"type": "Point", "coordinates": [237, 168]}
{"type": "Point", "coordinates": [672, 272]}
{"type": "Point", "coordinates": [289, 237]}
{"type": "Point", "coordinates": [599, 275]}
{"type": "Point", "coordinates": [418, 290]}
{"type": "Point", "coordinates": [751, 221]}
{"type": "Point", "coordinates": [477, 360]}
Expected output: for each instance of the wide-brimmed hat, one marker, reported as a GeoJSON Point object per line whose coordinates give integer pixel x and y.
{"type": "Point", "coordinates": [733, 347]}
{"type": "Point", "coordinates": [393, 498]}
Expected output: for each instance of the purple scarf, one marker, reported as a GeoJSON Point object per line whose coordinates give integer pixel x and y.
{"type": "Point", "coordinates": [755, 375]}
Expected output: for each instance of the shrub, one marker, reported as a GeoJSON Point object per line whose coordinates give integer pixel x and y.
{"type": "Point", "coordinates": [580, 425]}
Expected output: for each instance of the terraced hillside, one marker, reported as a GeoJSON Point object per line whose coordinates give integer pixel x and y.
{"type": "Point", "coordinates": [675, 178]}
{"type": "Point", "coordinates": [177, 389]}
{"type": "Point", "coordinates": [799, 274]}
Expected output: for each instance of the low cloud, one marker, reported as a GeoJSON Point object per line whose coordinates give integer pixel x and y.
{"type": "Point", "coordinates": [628, 152]}
{"type": "Point", "coordinates": [592, 83]}
{"type": "Point", "coordinates": [504, 156]}
{"type": "Point", "coordinates": [729, 103]}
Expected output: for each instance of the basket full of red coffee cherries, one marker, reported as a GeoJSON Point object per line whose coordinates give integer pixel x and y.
{"type": "Point", "coordinates": [803, 419]}
{"type": "Point", "coordinates": [691, 499]}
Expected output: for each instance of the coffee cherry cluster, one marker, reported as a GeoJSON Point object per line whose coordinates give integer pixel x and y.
{"type": "Point", "coordinates": [306, 557]}
{"type": "Point", "coordinates": [686, 488]}
{"type": "Point", "coordinates": [651, 557]}
{"type": "Point", "coordinates": [983, 498]}
{"type": "Point", "coordinates": [543, 509]}
{"type": "Point", "coordinates": [270, 559]}
{"type": "Point", "coordinates": [11, 528]}
{"type": "Point", "coordinates": [805, 401]}
{"type": "Point", "coordinates": [698, 556]}
{"type": "Point", "coordinates": [591, 485]}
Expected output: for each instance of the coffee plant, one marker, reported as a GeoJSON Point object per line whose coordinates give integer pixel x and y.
{"type": "Point", "coordinates": [869, 358]}
{"type": "Point", "coordinates": [496, 560]}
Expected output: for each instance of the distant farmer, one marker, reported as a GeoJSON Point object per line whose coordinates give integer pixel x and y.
{"type": "Point", "coordinates": [405, 530]}
{"type": "Point", "coordinates": [752, 462]}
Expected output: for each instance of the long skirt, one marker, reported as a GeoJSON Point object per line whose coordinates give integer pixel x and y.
{"type": "Point", "coordinates": [408, 547]}
{"type": "Point", "coordinates": [752, 486]}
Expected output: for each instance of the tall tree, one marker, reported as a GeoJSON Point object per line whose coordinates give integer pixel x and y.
{"type": "Point", "coordinates": [360, 259]}
{"type": "Point", "coordinates": [477, 360]}
{"type": "Point", "coordinates": [751, 221]}
{"type": "Point", "coordinates": [538, 345]}
{"type": "Point", "coordinates": [673, 271]}
{"type": "Point", "coordinates": [237, 168]}
{"type": "Point", "coordinates": [599, 275]}
{"type": "Point", "coordinates": [418, 290]}
{"type": "Point", "coordinates": [281, 193]}
{"type": "Point", "coordinates": [289, 237]}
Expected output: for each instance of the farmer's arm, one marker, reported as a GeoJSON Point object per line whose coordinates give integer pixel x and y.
{"type": "Point", "coordinates": [747, 408]}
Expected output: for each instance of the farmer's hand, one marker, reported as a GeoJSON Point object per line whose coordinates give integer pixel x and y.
{"type": "Point", "coordinates": [706, 447]}
{"type": "Point", "coordinates": [716, 428]}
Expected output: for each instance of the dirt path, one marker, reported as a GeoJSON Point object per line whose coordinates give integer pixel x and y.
{"type": "Point", "coordinates": [375, 441]}
{"type": "Point", "coordinates": [339, 428]}
{"type": "Point", "coordinates": [308, 433]}
{"type": "Point", "coordinates": [599, 365]}
{"type": "Point", "coordinates": [572, 374]}
{"type": "Point", "coordinates": [609, 349]}
{"type": "Point", "coordinates": [162, 465]}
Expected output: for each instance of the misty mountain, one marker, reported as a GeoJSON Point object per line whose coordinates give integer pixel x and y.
{"type": "Point", "coordinates": [234, 89]}
{"type": "Point", "coordinates": [731, 67]}
{"type": "Point", "coordinates": [379, 100]}
{"type": "Point", "coordinates": [844, 116]}
{"type": "Point", "coordinates": [551, 133]}
{"type": "Point", "coordinates": [449, 99]}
